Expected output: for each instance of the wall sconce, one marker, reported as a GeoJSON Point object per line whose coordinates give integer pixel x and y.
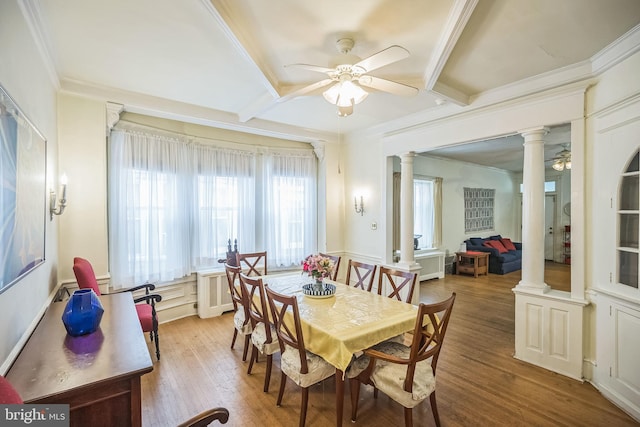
{"type": "Point", "coordinates": [359, 209]}
{"type": "Point", "coordinates": [57, 210]}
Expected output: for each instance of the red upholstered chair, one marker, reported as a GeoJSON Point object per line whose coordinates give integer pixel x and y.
{"type": "Point", "coordinates": [8, 394]}
{"type": "Point", "coordinates": [145, 305]}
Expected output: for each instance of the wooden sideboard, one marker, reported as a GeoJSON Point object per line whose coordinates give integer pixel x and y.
{"type": "Point", "coordinates": [98, 374]}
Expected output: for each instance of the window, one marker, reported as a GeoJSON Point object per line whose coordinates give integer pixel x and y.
{"type": "Point", "coordinates": [549, 187]}
{"type": "Point", "coordinates": [628, 231]}
{"type": "Point", "coordinates": [424, 212]}
{"type": "Point", "coordinates": [173, 205]}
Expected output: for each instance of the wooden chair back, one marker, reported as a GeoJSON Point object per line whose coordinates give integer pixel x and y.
{"type": "Point", "coordinates": [428, 334]}
{"type": "Point", "coordinates": [279, 305]}
{"type": "Point", "coordinates": [254, 295]}
{"type": "Point", "coordinates": [207, 417]}
{"type": "Point", "coordinates": [253, 264]}
{"type": "Point", "coordinates": [233, 281]}
{"type": "Point", "coordinates": [336, 264]}
{"type": "Point", "coordinates": [364, 275]}
{"type": "Point", "coordinates": [397, 280]}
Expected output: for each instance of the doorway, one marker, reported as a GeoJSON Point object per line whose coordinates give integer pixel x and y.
{"type": "Point", "coordinates": [550, 226]}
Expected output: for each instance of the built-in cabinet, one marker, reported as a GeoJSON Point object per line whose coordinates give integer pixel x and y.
{"type": "Point", "coordinates": [616, 254]}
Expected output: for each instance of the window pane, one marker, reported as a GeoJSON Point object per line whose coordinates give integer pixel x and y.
{"type": "Point", "coordinates": [629, 193]}
{"type": "Point", "coordinates": [633, 166]}
{"type": "Point", "coordinates": [628, 272]}
{"type": "Point", "coordinates": [629, 231]}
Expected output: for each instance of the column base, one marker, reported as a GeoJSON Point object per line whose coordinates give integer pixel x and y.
{"type": "Point", "coordinates": [534, 288]}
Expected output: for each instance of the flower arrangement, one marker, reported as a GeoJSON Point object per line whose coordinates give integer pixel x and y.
{"type": "Point", "coordinates": [317, 266]}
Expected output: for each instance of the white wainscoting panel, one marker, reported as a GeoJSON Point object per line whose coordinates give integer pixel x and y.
{"type": "Point", "coordinates": [549, 331]}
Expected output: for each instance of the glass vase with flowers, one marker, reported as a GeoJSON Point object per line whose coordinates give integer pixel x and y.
{"type": "Point", "coordinates": [317, 267]}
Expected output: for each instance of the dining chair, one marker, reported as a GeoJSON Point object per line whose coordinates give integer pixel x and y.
{"type": "Point", "coordinates": [336, 264]}
{"type": "Point", "coordinates": [241, 319]}
{"type": "Point", "coordinates": [253, 264]}
{"type": "Point", "coordinates": [296, 362]}
{"type": "Point", "coordinates": [207, 417]}
{"type": "Point", "coordinates": [364, 275]}
{"type": "Point", "coordinates": [397, 281]}
{"type": "Point", "coordinates": [8, 394]}
{"type": "Point", "coordinates": [263, 336]}
{"type": "Point", "coordinates": [407, 374]}
{"type": "Point", "coordinates": [145, 304]}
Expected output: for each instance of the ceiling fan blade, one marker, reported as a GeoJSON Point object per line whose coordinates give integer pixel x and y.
{"type": "Point", "coordinates": [387, 86]}
{"type": "Point", "coordinates": [305, 90]}
{"type": "Point", "coordinates": [310, 67]}
{"type": "Point", "coordinates": [384, 57]}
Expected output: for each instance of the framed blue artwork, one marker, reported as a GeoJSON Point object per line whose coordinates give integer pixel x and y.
{"type": "Point", "coordinates": [23, 160]}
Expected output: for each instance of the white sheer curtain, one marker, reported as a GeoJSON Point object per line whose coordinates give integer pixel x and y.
{"type": "Point", "coordinates": [290, 207]}
{"type": "Point", "coordinates": [149, 218]}
{"type": "Point", "coordinates": [223, 203]}
{"type": "Point", "coordinates": [423, 217]}
{"type": "Point", "coordinates": [174, 204]}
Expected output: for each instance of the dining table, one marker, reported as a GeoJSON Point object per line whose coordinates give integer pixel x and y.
{"type": "Point", "coordinates": [341, 325]}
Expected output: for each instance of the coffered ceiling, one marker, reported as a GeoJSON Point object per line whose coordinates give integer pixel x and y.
{"type": "Point", "coordinates": [222, 62]}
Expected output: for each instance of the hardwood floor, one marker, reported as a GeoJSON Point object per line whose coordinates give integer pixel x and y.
{"type": "Point", "coordinates": [479, 381]}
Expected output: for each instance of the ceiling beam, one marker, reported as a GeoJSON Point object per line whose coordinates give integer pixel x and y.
{"type": "Point", "coordinates": [240, 42]}
{"type": "Point", "coordinates": [456, 22]}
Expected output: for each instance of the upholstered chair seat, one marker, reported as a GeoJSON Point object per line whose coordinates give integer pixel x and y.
{"type": "Point", "coordinates": [389, 377]}
{"type": "Point", "coordinates": [240, 322]}
{"type": "Point", "coordinates": [261, 341]}
{"type": "Point", "coordinates": [319, 369]}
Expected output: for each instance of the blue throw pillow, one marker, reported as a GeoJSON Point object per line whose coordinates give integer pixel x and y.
{"type": "Point", "coordinates": [496, 237]}
{"type": "Point", "coordinates": [476, 241]}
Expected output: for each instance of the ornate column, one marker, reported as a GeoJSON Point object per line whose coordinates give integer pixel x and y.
{"type": "Point", "coordinates": [406, 201]}
{"type": "Point", "coordinates": [533, 230]}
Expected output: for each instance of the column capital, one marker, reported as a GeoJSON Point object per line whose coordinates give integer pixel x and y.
{"type": "Point", "coordinates": [408, 156]}
{"type": "Point", "coordinates": [531, 133]}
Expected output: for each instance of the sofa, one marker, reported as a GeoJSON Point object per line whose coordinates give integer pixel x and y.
{"type": "Point", "coordinates": [505, 256]}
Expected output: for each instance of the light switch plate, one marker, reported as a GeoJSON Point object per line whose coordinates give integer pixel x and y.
{"type": "Point", "coordinates": [374, 225]}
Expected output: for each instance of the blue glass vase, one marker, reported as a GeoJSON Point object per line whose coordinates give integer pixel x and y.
{"type": "Point", "coordinates": [83, 313]}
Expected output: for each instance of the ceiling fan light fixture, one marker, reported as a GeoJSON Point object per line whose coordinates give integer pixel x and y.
{"type": "Point", "coordinates": [567, 164]}
{"type": "Point", "coordinates": [345, 93]}
{"type": "Point", "coordinates": [559, 165]}
{"type": "Point", "coordinates": [345, 111]}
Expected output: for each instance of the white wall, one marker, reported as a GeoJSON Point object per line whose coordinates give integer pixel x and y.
{"type": "Point", "coordinates": [83, 157]}
{"type": "Point", "coordinates": [23, 74]}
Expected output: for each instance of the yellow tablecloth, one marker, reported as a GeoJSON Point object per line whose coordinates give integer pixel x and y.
{"type": "Point", "coordinates": [352, 320]}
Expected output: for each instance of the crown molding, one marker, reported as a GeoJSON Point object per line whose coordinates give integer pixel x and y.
{"type": "Point", "coordinates": [189, 113]}
{"type": "Point", "coordinates": [32, 15]}
{"type": "Point", "coordinates": [616, 52]}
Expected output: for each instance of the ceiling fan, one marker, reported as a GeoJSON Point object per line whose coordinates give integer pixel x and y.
{"type": "Point", "coordinates": [562, 160]}
{"type": "Point", "coordinates": [350, 75]}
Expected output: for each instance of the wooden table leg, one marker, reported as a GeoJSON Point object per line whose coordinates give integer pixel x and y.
{"type": "Point", "coordinates": [339, 396]}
